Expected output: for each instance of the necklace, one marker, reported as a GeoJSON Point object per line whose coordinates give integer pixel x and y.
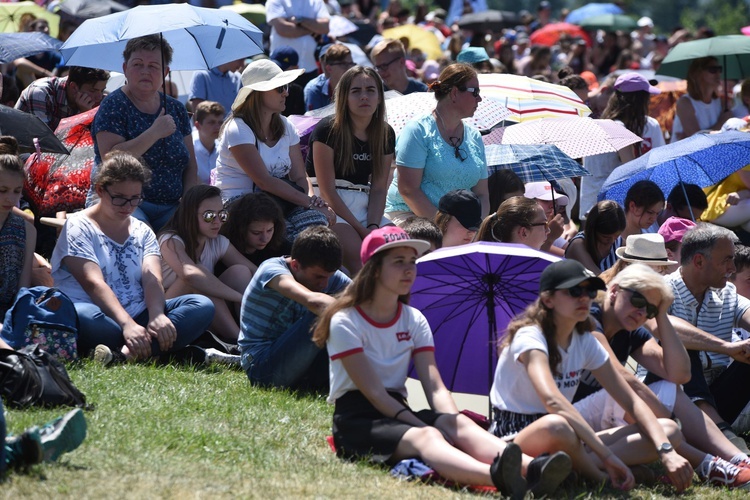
{"type": "Point", "coordinates": [454, 140]}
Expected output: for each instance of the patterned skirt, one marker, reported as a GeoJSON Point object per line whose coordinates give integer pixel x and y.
{"type": "Point", "coordinates": [506, 424]}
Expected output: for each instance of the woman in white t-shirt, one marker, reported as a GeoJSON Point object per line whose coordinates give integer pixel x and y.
{"type": "Point", "coordinates": [537, 375]}
{"type": "Point", "coordinates": [628, 105]}
{"type": "Point", "coordinates": [372, 336]}
{"type": "Point", "coordinates": [701, 108]}
{"type": "Point", "coordinates": [191, 246]}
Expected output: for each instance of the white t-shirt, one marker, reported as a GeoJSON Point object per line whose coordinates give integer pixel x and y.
{"type": "Point", "coordinates": [388, 347]}
{"type": "Point", "coordinates": [121, 264]}
{"type": "Point", "coordinates": [205, 159]}
{"type": "Point", "coordinates": [304, 45]}
{"type": "Point", "coordinates": [230, 178]}
{"type": "Point", "coordinates": [213, 251]}
{"type": "Point", "coordinates": [512, 389]}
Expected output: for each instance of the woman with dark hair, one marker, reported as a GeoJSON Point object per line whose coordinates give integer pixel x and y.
{"type": "Point", "coordinates": [351, 153]}
{"type": "Point", "coordinates": [644, 201]}
{"type": "Point", "coordinates": [517, 220]}
{"type": "Point", "coordinates": [595, 246]}
{"type": "Point", "coordinates": [438, 153]}
{"type": "Point", "coordinates": [503, 184]}
{"type": "Point", "coordinates": [538, 63]}
{"type": "Point", "coordinates": [628, 105]}
{"type": "Point", "coordinates": [701, 108]}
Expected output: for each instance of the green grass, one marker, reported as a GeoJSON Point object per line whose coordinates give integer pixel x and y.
{"type": "Point", "coordinates": [176, 432]}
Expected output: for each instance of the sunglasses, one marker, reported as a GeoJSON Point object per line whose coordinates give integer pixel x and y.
{"type": "Point", "coordinates": [714, 69]}
{"type": "Point", "coordinates": [460, 153]}
{"type": "Point", "coordinates": [638, 301]}
{"type": "Point", "coordinates": [121, 201]}
{"type": "Point", "coordinates": [210, 215]}
{"type": "Point", "coordinates": [577, 291]}
{"type": "Point", "coordinates": [282, 89]}
{"type": "Point", "coordinates": [473, 90]}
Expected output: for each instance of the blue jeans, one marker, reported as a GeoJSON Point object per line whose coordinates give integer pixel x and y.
{"type": "Point", "coordinates": [154, 215]}
{"type": "Point", "coordinates": [190, 314]}
{"type": "Point", "coordinates": [292, 361]}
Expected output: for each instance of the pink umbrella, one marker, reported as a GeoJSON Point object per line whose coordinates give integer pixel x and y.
{"type": "Point", "coordinates": [746, 30]}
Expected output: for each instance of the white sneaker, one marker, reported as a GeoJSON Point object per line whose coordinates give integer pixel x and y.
{"type": "Point", "coordinates": [216, 356]}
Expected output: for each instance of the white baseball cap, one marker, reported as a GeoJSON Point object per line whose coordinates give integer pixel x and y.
{"type": "Point", "coordinates": [543, 191]}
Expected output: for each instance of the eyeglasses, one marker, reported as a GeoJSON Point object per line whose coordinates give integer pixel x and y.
{"type": "Point", "coordinates": [545, 224]}
{"type": "Point", "coordinates": [577, 291]}
{"type": "Point", "coordinates": [121, 201]}
{"type": "Point", "coordinates": [210, 215]}
{"type": "Point", "coordinates": [715, 70]}
{"type": "Point", "coordinates": [282, 89]}
{"type": "Point", "coordinates": [472, 90]}
{"type": "Point", "coordinates": [460, 153]}
{"type": "Point", "coordinates": [346, 64]}
{"type": "Point", "coordinates": [638, 301]}
{"type": "Point", "coordinates": [384, 66]}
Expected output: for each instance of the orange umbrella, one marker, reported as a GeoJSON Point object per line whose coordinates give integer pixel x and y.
{"type": "Point", "coordinates": [549, 35]}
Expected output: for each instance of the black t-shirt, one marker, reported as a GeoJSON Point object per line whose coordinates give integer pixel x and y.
{"type": "Point", "coordinates": [623, 344]}
{"type": "Point", "coordinates": [362, 157]}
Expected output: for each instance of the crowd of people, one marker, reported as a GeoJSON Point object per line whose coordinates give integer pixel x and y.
{"type": "Point", "coordinates": [214, 232]}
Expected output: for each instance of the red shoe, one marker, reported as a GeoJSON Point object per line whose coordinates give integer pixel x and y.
{"type": "Point", "coordinates": [723, 473]}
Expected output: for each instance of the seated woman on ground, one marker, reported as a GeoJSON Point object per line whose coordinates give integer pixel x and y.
{"type": "Point", "coordinates": [538, 371]}
{"type": "Point", "coordinates": [351, 154]}
{"type": "Point", "coordinates": [518, 220]}
{"type": "Point", "coordinates": [370, 360]}
{"type": "Point", "coordinates": [643, 204]}
{"type": "Point", "coordinates": [595, 246]}
{"type": "Point", "coordinates": [458, 217]}
{"type": "Point", "coordinates": [191, 246]}
{"type": "Point", "coordinates": [108, 263]}
{"type": "Point", "coordinates": [256, 228]}
{"type": "Point", "coordinates": [639, 297]}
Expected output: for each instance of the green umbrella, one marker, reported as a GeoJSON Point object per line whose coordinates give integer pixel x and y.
{"type": "Point", "coordinates": [609, 22]}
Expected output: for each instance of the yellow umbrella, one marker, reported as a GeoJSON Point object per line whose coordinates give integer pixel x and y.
{"type": "Point", "coordinates": [253, 12]}
{"type": "Point", "coordinates": [418, 37]}
{"type": "Point", "coordinates": [11, 13]}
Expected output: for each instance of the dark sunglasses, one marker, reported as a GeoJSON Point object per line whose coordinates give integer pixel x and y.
{"type": "Point", "coordinates": [210, 215]}
{"type": "Point", "coordinates": [460, 153]}
{"type": "Point", "coordinates": [638, 301]}
{"type": "Point", "coordinates": [121, 201]}
{"type": "Point", "coordinates": [282, 89]}
{"type": "Point", "coordinates": [473, 90]}
{"type": "Point", "coordinates": [577, 291]}
{"type": "Point", "coordinates": [715, 69]}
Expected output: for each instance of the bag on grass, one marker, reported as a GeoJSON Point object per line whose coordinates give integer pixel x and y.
{"type": "Point", "coordinates": [31, 377]}
{"type": "Point", "coordinates": [44, 316]}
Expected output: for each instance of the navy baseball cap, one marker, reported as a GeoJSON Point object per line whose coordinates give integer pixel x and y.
{"type": "Point", "coordinates": [285, 57]}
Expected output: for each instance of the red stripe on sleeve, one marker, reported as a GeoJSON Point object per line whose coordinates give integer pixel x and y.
{"type": "Point", "coordinates": [346, 353]}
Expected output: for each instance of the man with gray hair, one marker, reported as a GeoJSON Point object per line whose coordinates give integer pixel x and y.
{"type": "Point", "coordinates": [711, 307]}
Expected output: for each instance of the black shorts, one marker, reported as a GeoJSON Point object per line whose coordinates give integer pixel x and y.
{"type": "Point", "coordinates": [361, 431]}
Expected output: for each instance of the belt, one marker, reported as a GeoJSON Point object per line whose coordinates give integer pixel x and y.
{"type": "Point", "coordinates": [350, 187]}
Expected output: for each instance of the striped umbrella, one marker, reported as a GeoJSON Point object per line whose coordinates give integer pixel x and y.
{"type": "Point", "coordinates": [533, 162]}
{"type": "Point", "coordinates": [529, 99]}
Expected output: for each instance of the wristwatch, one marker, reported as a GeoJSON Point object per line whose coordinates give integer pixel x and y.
{"type": "Point", "coordinates": [665, 448]}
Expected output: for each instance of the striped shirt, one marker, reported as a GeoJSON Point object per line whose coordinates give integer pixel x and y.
{"type": "Point", "coordinates": [720, 311]}
{"type": "Point", "coordinates": [609, 259]}
{"type": "Point", "coordinates": [46, 98]}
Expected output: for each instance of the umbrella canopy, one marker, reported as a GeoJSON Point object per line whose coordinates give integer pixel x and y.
{"type": "Point", "coordinates": [488, 20]}
{"type": "Point", "coordinates": [15, 45]}
{"type": "Point", "coordinates": [57, 182]}
{"type": "Point", "coordinates": [550, 34]}
{"type": "Point", "coordinates": [417, 37]}
{"type": "Point", "coordinates": [529, 99]}
{"type": "Point", "coordinates": [702, 159]}
{"type": "Point", "coordinates": [253, 12]}
{"type": "Point", "coordinates": [732, 52]}
{"type": "Point", "coordinates": [576, 137]}
{"type": "Point", "coordinates": [469, 294]}
{"type": "Point", "coordinates": [533, 162]}
{"type": "Point", "coordinates": [11, 13]}
{"type": "Point", "coordinates": [609, 22]}
{"type": "Point", "coordinates": [340, 26]}
{"type": "Point", "coordinates": [201, 38]}
{"type": "Point", "coordinates": [592, 9]}
{"type": "Point", "coordinates": [27, 128]}
{"type": "Point", "coordinates": [87, 9]}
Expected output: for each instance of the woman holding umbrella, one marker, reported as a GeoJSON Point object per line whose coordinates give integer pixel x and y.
{"type": "Point", "coordinates": [438, 152]}
{"type": "Point", "coordinates": [133, 118]}
{"type": "Point", "coordinates": [701, 108]}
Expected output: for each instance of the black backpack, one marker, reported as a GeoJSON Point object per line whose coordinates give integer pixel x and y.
{"type": "Point", "coordinates": [31, 377]}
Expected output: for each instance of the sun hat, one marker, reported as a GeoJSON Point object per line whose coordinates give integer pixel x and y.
{"type": "Point", "coordinates": [645, 21]}
{"type": "Point", "coordinates": [263, 75]}
{"type": "Point", "coordinates": [675, 228]}
{"type": "Point", "coordinates": [542, 190]}
{"type": "Point", "coordinates": [645, 248]}
{"type": "Point", "coordinates": [565, 274]}
{"type": "Point", "coordinates": [633, 82]}
{"type": "Point", "coordinates": [472, 55]}
{"type": "Point", "coordinates": [387, 237]}
{"type": "Point", "coordinates": [464, 206]}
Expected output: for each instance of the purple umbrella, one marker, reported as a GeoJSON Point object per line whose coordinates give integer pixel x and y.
{"type": "Point", "coordinates": [469, 294]}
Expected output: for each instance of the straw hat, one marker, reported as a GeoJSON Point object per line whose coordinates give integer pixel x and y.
{"type": "Point", "coordinates": [263, 75]}
{"type": "Point", "coordinates": [645, 248]}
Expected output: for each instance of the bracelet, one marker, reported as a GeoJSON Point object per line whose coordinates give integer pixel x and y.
{"type": "Point", "coordinates": [395, 417]}
{"type": "Point", "coordinates": [312, 203]}
{"type": "Point", "coordinates": [372, 224]}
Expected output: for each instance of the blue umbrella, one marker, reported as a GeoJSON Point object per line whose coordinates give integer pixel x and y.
{"type": "Point", "coordinates": [202, 38]}
{"type": "Point", "coordinates": [591, 10]}
{"type": "Point", "coordinates": [702, 159]}
{"type": "Point", "coordinates": [533, 162]}
{"type": "Point", "coordinates": [17, 45]}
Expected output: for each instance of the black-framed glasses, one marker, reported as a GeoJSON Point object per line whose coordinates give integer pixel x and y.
{"type": "Point", "coordinates": [384, 66]}
{"type": "Point", "coordinates": [121, 201]}
{"type": "Point", "coordinates": [535, 224]}
{"type": "Point", "coordinates": [638, 301]}
{"type": "Point", "coordinates": [715, 70]}
{"type": "Point", "coordinates": [455, 143]}
{"type": "Point", "coordinates": [209, 216]}
{"type": "Point", "coordinates": [472, 90]}
{"type": "Point", "coordinates": [282, 89]}
{"type": "Point", "coordinates": [578, 290]}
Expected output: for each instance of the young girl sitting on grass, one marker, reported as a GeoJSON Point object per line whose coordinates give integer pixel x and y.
{"type": "Point", "coordinates": [372, 336]}
{"type": "Point", "coordinates": [191, 246]}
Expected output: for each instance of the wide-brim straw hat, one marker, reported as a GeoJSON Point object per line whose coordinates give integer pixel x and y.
{"type": "Point", "coordinates": [263, 75]}
{"type": "Point", "coordinates": [645, 249]}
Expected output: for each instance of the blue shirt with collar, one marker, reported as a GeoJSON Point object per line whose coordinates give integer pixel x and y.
{"type": "Point", "coordinates": [213, 85]}
{"type": "Point", "coordinates": [318, 93]}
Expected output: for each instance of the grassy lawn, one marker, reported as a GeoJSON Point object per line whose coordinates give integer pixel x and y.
{"type": "Point", "coordinates": [176, 432]}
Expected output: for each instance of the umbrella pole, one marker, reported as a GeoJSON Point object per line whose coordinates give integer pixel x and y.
{"type": "Point", "coordinates": [726, 90]}
{"type": "Point", "coordinates": [490, 280]}
{"type": "Point", "coordinates": [163, 74]}
{"type": "Point", "coordinates": [684, 192]}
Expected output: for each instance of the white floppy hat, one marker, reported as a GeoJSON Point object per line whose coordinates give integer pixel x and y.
{"type": "Point", "coordinates": [647, 248]}
{"type": "Point", "coordinates": [263, 75]}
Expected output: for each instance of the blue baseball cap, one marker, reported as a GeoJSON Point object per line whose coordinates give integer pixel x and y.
{"type": "Point", "coordinates": [472, 55]}
{"type": "Point", "coordinates": [285, 57]}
